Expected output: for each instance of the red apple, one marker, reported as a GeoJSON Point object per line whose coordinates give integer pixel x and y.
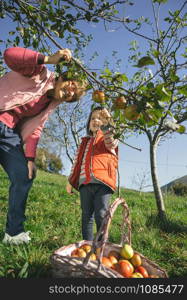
{"type": "Point", "coordinates": [125, 268]}
{"type": "Point", "coordinates": [120, 102]}
{"type": "Point", "coordinates": [98, 96]}
{"type": "Point", "coordinates": [143, 271]}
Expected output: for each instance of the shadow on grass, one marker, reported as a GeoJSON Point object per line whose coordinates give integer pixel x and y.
{"type": "Point", "coordinates": [166, 225]}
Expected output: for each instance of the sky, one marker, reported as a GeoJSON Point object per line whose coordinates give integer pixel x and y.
{"type": "Point", "coordinates": [134, 166]}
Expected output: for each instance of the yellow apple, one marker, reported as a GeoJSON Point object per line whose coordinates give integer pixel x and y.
{"type": "Point", "coordinates": [81, 253]}
{"type": "Point", "coordinates": [93, 256]}
{"type": "Point", "coordinates": [86, 247]}
{"type": "Point", "coordinates": [136, 260]}
{"type": "Point", "coordinates": [136, 275]}
{"type": "Point", "coordinates": [127, 251]}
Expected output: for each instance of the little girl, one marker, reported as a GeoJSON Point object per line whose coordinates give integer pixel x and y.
{"type": "Point", "coordinates": [93, 173]}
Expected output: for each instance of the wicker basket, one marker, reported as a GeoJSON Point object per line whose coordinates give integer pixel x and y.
{"type": "Point", "coordinates": [65, 266]}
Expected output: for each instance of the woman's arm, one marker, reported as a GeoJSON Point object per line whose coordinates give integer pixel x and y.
{"type": "Point", "coordinates": [24, 61]}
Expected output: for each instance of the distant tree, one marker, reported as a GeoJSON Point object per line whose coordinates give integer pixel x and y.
{"type": "Point", "coordinates": [48, 162]}
{"type": "Point", "coordinates": [179, 189]}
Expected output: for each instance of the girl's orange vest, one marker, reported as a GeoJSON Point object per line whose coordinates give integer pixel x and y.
{"type": "Point", "coordinates": [103, 162]}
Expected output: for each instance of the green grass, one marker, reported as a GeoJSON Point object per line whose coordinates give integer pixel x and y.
{"type": "Point", "coordinates": [53, 217]}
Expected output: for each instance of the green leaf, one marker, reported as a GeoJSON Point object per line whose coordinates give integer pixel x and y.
{"type": "Point", "coordinates": [183, 90]}
{"type": "Point", "coordinates": [165, 92]}
{"type": "Point", "coordinates": [160, 1]}
{"type": "Point", "coordinates": [155, 53]}
{"type": "Point", "coordinates": [124, 77]}
{"type": "Point", "coordinates": [145, 61]}
{"type": "Point", "coordinates": [162, 94]}
{"type": "Point", "coordinates": [150, 85]}
{"type": "Point", "coordinates": [107, 71]}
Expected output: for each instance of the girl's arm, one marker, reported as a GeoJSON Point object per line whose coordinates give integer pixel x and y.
{"type": "Point", "coordinates": [110, 142]}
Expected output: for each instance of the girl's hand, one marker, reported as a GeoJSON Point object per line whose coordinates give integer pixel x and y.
{"type": "Point", "coordinates": [105, 116]}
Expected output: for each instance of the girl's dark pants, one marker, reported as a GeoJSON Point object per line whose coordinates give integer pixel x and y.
{"type": "Point", "coordinates": [94, 204]}
{"type": "Point", "coordinates": [13, 161]}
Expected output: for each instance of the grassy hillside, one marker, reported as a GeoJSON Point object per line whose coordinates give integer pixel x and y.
{"type": "Point", "coordinates": [167, 187]}
{"type": "Point", "coordinates": [53, 217]}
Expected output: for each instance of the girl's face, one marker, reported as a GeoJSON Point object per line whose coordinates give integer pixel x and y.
{"type": "Point", "coordinates": [95, 122]}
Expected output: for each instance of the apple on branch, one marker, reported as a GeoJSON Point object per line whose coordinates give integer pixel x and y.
{"type": "Point", "coordinates": [120, 102]}
{"type": "Point", "coordinates": [98, 96]}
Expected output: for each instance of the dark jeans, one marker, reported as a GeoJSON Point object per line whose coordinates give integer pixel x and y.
{"type": "Point", "coordinates": [13, 161]}
{"type": "Point", "coordinates": [94, 204]}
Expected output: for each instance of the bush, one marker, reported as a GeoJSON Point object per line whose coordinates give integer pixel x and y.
{"type": "Point", "coordinates": [180, 189]}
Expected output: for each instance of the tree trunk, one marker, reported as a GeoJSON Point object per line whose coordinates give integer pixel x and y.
{"type": "Point", "coordinates": [156, 186]}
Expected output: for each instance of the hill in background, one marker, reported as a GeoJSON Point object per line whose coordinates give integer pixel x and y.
{"type": "Point", "coordinates": [168, 186]}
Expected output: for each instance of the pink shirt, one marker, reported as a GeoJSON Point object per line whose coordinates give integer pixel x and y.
{"type": "Point", "coordinates": [12, 117]}
{"type": "Point", "coordinates": [23, 95]}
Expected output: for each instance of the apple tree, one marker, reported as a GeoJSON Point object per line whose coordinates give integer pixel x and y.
{"type": "Point", "coordinates": [153, 101]}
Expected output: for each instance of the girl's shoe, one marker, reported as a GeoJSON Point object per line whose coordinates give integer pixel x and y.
{"type": "Point", "coordinates": [20, 238]}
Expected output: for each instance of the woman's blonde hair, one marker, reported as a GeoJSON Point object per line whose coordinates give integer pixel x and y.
{"type": "Point", "coordinates": [82, 84]}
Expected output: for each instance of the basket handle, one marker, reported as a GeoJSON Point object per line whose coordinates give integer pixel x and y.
{"type": "Point", "coordinates": [104, 229]}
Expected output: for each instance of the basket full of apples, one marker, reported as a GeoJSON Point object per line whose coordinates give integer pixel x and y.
{"type": "Point", "coordinates": [101, 258]}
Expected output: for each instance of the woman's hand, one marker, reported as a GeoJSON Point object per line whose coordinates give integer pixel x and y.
{"type": "Point", "coordinates": [69, 189]}
{"type": "Point", "coordinates": [31, 169]}
{"type": "Point", "coordinates": [64, 54]}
